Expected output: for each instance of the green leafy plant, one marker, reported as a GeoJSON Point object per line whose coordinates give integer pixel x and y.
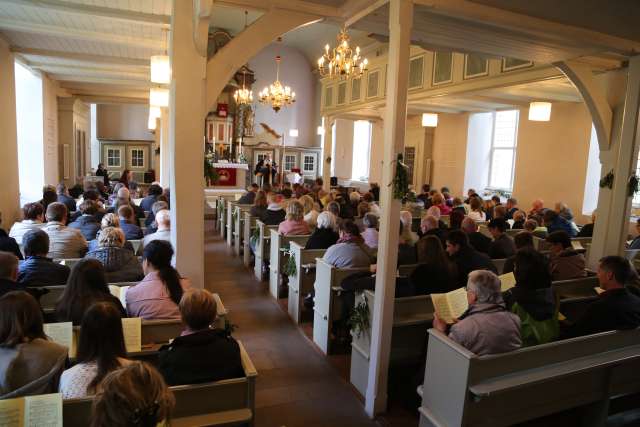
{"type": "Point", "coordinates": [632, 185]}
{"type": "Point", "coordinates": [359, 318]}
{"type": "Point", "coordinates": [607, 180]}
{"type": "Point", "coordinates": [401, 180]}
{"type": "Point", "coordinates": [289, 268]}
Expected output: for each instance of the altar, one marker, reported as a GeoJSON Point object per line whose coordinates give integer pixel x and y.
{"type": "Point", "coordinates": [230, 177]}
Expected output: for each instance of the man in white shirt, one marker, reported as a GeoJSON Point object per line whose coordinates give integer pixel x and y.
{"type": "Point", "coordinates": [163, 219]}
{"type": "Point", "coordinates": [65, 242]}
{"type": "Point", "coordinates": [33, 214]}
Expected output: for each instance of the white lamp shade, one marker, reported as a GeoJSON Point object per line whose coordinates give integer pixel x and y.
{"type": "Point", "coordinates": [158, 97]}
{"type": "Point", "coordinates": [429, 120]}
{"type": "Point", "coordinates": [293, 133]}
{"type": "Point", "coordinates": [160, 69]}
{"type": "Point", "coordinates": [320, 130]}
{"type": "Point", "coordinates": [152, 122]}
{"type": "Point", "coordinates": [155, 112]}
{"type": "Point", "coordinates": [540, 111]}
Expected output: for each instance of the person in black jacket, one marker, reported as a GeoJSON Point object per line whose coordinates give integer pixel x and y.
{"type": "Point", "coordinates": [502, 245]}
{"type": "Point", "coordinates": [617, 308]}
{"type": "Point", "coordinates": [201, 353]}
{"type": "Point", "coordinates": [434, 273]}
{"type": "Point", "coordinates": [87, 223]}
{"type": "Point", "coordinates": [324, 235]}
{"type": "Point", "coordinates": [465, 257]}
{"type": "Point", "coordinates": [587, 229]}
{"type": "Point", "coordinates": [9, 273]}
{"type": "Point", "coordinates": [8, 244]}
{"type": "Point", "coordinates": [37, 269]}
{"type": "Point", "coordinates": [274, 214]}
{"type": "Point", "coordinates": [523, 240]}
{"type": "Point", "coordinates": [477, 240]}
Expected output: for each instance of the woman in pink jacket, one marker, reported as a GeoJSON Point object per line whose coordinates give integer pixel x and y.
{"type": "Point", "coordinates": [294, 224]}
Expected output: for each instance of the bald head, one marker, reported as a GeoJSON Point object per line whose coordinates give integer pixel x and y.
{"type": "Point", "coordinates": [163, 219]}
{"type": "Point", "coordinates": [468, 225]}
{"type": "Point", "coordinates": [124, 193]}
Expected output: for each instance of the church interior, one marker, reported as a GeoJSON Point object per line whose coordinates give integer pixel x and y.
{"type": "Point", "coordinates": [320, 213]}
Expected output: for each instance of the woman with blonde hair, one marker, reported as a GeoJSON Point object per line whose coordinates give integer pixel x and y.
{"type": "Point", "coordinates": [120, 264]}
{"type": "Point", "coordinates": [294, 224]}
{"type": "Point", "coordinates": [311, 210]}
{"type": "Point", "coordinates": [134, 395]}
{"type": "Point", "coordinates": [109, 220]}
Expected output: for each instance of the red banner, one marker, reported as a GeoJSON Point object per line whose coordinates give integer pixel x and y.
{"type": "Point", "coordinates": [226, 177]}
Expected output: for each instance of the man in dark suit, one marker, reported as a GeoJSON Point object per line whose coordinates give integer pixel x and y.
{"type": "Point", "coordinates": [37, 269]}
{"type": "Point", "coordinates": [466, 258]}
{"type": "Point", "coordinates": [9, 244]}
{"type": "Point", "coordinates": [477, 240]}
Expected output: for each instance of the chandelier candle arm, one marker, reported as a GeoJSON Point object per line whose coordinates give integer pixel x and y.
{"type": "Point", "coordinates": [342, 62]}
{"type": "Point", "coordinates": [276, 94]}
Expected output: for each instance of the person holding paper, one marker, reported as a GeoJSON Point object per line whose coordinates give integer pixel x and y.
{"type": "Point", "coordinates": [101, 350]}
{"type": "Point", "coordinates": [532, 298]}
{"type": "Point", "coordinates": [565, 262]}
{"type": "Point", "coordinates": [29, 363]}
{"type": "Point", "coordinates": [201, 353]}
{"type": "Point", "coordinates": [86, 286]}
{"type": "Point", "coordinates": [487, 327]}
{"type": "Point", "coordinates": [466, 258]}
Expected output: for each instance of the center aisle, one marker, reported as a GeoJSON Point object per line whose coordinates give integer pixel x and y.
{"type": "Point", "coordinates": [296, 386]}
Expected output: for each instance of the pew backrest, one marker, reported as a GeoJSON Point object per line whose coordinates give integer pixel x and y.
{"type": "Point", "coordinates": [249, 225]}
{"type": "Point", "coordinates": [580, 287]}
{"type": "Point", "coordinates": [301, 282]}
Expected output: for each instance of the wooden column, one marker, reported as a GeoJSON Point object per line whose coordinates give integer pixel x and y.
{"type": "Point", "coordinates": [165, 151]}
{"type": "Point", "coordinates": [400, 23]}
{"type": "Point", "coordinates": [614, 205]}
{"type": "Point", "coordinates": [10, 194]}
{"type": "Point", "coordinates": [186, 144]}
{"type": "Point", "coordinates": [327, 147]}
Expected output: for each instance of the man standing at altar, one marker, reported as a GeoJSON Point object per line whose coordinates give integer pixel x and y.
{"type": "Point", "coordinates": [266, 171]}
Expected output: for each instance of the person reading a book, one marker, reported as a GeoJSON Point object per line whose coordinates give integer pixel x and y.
{"type": "Point", "coordinates": [101, 350]}
{"type": "Point", "coordinates": [532, 298]}
{"type": "Point", "coordinates": [86, 286]}
{"type": "Point", "coordinates": [486, 327]}
{"type": "Point", "coordinates": [465, 257]}
{"type": "Point", "coordinates": [29, 363]}
{"type": "Point", "coordinates": [565, 262]}
{"type": "Point", "coordinates": [617, 308]}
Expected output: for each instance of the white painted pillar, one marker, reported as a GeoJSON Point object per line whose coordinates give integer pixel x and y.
{"type": "Point", "coordinates": [186, 133]}
{"type": "Point", "coordinates": [327, 144]}
{"type": "Point", "coordinates": [400, 23]}
{"type": "Point", "coordinates": [165, 153]}
{"type": "Point", "coordinates": [614, 205]}
{"type": "Point", "coordinates": [10, 194]}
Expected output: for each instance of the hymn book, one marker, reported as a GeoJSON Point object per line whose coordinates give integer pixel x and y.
{"type": "Point", "coordinates": [62, 333]}
{"type": "Point", "coordinates": [507, 281]}
{"type": "Point", "coordinates": [120, 292]}
{"type": "Point", "coordinates": [42, 411]}
{"type": "Point", "coordinates": [577, 245]}
{"type": "Point", "coordinates": [132, 331]}
{"type": "Point", "coordinates": [451, 305]}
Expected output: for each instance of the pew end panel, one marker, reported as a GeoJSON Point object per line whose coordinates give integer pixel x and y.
{"type": "Point", "coordinates": [301, 283]}
{"type": "Point", "coordinates": [278, 258]}
{"type": "Point", "coordinates": [249, 225]}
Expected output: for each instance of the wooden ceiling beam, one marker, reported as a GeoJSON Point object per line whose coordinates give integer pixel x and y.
{"type": "Point", "coordinates": [81, 56]}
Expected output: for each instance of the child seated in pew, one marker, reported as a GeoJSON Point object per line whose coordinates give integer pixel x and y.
{"type": "Point", "coordinates": [29, 363]}
{"type": "Point", "coordinates": [487, 327]}
{"type": "Point", "coordinates": [86, 286]}
{"type": "Point", "coordinates": [533, 299]}
{"type": "Point", "coordinates": [101, 350]}
{"type": "Point", "coordinates": [157, 296]}
{"type": "Point", "coordinates": [294, 224]}
{"type": "Point", "coordinates": [201, 353]}
{"type": "Point", "coordinates": [324, 235]}
{"type": "Point", "coordinates": [134, 395]}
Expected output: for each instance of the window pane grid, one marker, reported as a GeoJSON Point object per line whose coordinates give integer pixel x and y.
{"type": "Point", "coordinates": [361, 148]}
{"type": "Point", "coordinates": [503, 149]}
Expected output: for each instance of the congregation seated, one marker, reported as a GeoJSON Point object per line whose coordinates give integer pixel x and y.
{"type": "Point", "coordinates": [128, 223]}
{"type": "Point", "coordinates": [487, 327]}
{"type": "Point", "coordinates": [334, 208]}
{"type": "Point", "coordinates": [406, 248]}
{"type": "Point", "coordinates": [91, 193]}
{"type": "Point", "coordinates": [370, 233]}
{"type": "Point", "coordinates": [438, 201]}
{"type": "Point", "coordinates": [522, 240]}
{"type": "Point", "coordinates": [635, 243]}
{"type": "Point", "coordinates": [477, 240]}
{"type": "Point", "coordinates": [502, 245]}
{"type": "Point", "coordinates": [555, 222]}
{"type": "Point", "coordinates": [430, 227]}
{"type": "Point", "coordinates": [274, 214]}
{"type": "Point", "coordinates": [150, 222]}
{"type": "Point", "coordinates": [124, 199]}
{"type": "Point", "coordinates": [294, 224]}
{"type": "Point", "coordinates": [374, 208]}
{"type": "Point", "coordinates": [407, 235]}
{"type": "Point", "coordinates": [617, 308]}
{"type": "Point", "coordinates": [101, 350]}
{"type": "Point", "coordinates": [64, 198]}
{"type": "Point", "coordinates": [64, 242]}
{"type": "Point", "coordinates": [133, 395]}
{"type": "Point", "coordinates": [533, 226]}
{"type": "Point", "coordinates": [465, 257]}
{"type": "Point", "coordinates": [49, 196]}
{"type": "Point", "coordinates": [157, 296]}
{"type": "Point", "coordinates": [350, 250]}
{"type": "Point", "coordinates": [533, 299]}
{"type": "Point", "coordinates": [519, 218]}
{"type": "Point", "coordinates": [587, 229]}
{"type": "Point", "coordinates": [87, 285]}
{"type": "Point", "coordinates": [424, 196]}
{"type": "Point", "coordinates": [247, 198]}
{"type": "Point", "coordinates": [32, 219]}
{"type": "Point", "coordinates": [87, 223]}
{"type": "Point", "coordinates": [435, 273]}
{"type": "Point", "coordinates": [475, 212]}
{"type": "Point", "coordinates": [120, 264]}
{"type": "Point", "coordinates": [37, 269]}
{"type": "Point", "coordinates": [362, 210]}
{"type": "Point", "coordinates": [537, 208]}
{"type": "Point", "coordinates": [163, 219]}
{"type": "Point", "coordinates": [30, 364]}
{"type": "Point", "coordinates": [201, 353]}
{"type": "Point", "coordinates": [565, 262]}
{"type": "Point", "coordinates": [311, 210]}
{"type": "Point", "coordinates": [9, 273]}
{"type": "Point", "coordinates": [511, 208]}
{"type": "Point", "coordinates": [500, 211]}
{"type": "Point", "coordinates": [8, 244]}
{"type": "Point", "coordinates": [324, 234]}
{"type": "Point", "coordinates": [109, 220]}
{"type": "Point", "coordinates": [260, 204]}
{"type": "Point", "coordinates": [152, 196]}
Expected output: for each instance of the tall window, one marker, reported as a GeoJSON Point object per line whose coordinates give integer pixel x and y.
{"type": "Point", "coordinates": [361, 149]}
{"type": "Point", "coordinates": [503, 149]}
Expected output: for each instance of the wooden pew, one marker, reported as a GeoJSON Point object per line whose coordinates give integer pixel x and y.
{"type": "Point", "coordinates": [412, 316]}
{"type": "Point", "coordinates": [499, 264]}
{"type": "Point", "coordinates": [463, 389]}
{"type": "Point", "coordinates": [262, 253]}
{"type": "Point", "coordinates": [227, 402]}
{"type": "Point", "coordinates": [222, 217]}
{"type": "Point", "coordinates": [326, 307]}
{"type": "Point", "coordinates": [69, 262]}
{"type": "Point", "coordinates": [249, 224]}
{"type": "Point", "coordinates": [301, 283]}
{"type": "Point", "coordinates": [278, 258]}
{"type": "Point", "coordinates": [405, 270]}
{"type": "Point", "coordinates": [238, 227]}
{"type": "Point", "coordinates": [229, 221]}
{"type": "Point", "coordinates": [575, 288]}
{"type": "Point", "coordinates": [137, 246]}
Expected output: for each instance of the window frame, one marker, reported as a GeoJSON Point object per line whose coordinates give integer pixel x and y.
{"type": "Point", "coordinates": [368, 156]}
{"type": "Point", "coordinates": [494, 149]}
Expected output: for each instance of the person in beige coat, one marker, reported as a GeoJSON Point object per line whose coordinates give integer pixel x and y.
{"type": "Point", "coordinates": [64, 242]}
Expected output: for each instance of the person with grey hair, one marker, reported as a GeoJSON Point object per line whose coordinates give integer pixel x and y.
{"type": "Point", "coordinates": [487, 327]}
{"type": "Point", "coordinates": [120, 264]}
{"type": "Point", "coordinates": [324, 235]}
{"type": "Point", "coordinates": [370, 233]}
{"type": "Point", "coordinates": [163, 219]}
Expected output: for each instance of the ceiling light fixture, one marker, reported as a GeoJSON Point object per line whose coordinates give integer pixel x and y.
{"type": "Point", "coordinates": [429, 120]}
{"type": "Point", "coordinates": [276, 94]}
{"type": "Point", "coordinates": [342, 62]}
{"type": "Point", "coordinates": [540, 111]}
{"type": "Point", "coordinates": [161, 66]}
{"type": "Point", "coordinates": [158, 97]}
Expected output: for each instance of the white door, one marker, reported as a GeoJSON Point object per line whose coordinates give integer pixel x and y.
{"type": "Point", "coordinates": [310, 165]}
{"type": "Point", "coordinates": [138, 161]}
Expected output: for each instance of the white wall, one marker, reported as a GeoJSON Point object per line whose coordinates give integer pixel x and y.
{"type": "Point", "coordinates": [450, 152]}
{"type": "Point", "coordinates": [124, 122]}
{"type": "Point", "coordinates": [478, 151]}
{"type": "Point", "coordinates": [295, 71]}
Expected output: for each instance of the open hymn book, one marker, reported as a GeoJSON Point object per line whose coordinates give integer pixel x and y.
{"type": "Point", "coordinates": [451, 305]}
{"type": "Point", "coordinates": [44, 410]}
{"type": "Point", "coordinates": [65, 334]}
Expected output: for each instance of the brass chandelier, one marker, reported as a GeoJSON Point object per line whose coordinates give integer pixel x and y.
{"type": "Point", "coordinates": [276, 94]}
{"type": "Point", "coordinates": [243, 96]}
{"type": "Point", "coordinates": [342, 62]}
